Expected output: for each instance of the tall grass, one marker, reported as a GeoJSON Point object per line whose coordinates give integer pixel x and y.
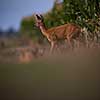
{"type": "Point", "coordinates": [74, 75]}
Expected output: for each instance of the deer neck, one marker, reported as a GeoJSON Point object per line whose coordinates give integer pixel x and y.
{"type": "Point", "coordinates": [43, 30]}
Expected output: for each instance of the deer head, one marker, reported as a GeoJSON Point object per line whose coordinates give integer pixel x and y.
{"type": "Point", "coordinates": [39, 20]}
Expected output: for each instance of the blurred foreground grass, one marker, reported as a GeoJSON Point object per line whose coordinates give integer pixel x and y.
{"type": "Point", "coordinates": [71, 76]}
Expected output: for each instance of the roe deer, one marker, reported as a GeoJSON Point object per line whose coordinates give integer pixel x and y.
{"type": "Point", "coordinates": [66, 31]}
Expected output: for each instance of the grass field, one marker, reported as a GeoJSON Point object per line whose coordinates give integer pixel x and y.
{"type": "Point", "coordinates": [70, 76]}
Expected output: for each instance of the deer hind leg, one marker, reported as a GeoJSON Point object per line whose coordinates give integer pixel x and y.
{"type": "Point", "coordinates": [76, 43]}
{"type": "Point", "coordinates": [69, 42]}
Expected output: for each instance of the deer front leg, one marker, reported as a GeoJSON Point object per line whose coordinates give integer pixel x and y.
{"type": "Point", "coordinates": [52, 47]}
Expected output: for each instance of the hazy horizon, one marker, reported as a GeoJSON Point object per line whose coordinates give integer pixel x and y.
{"type": "Point", "coordinates": [13, 11]}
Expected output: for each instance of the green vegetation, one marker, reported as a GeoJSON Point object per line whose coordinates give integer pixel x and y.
{"type": "Point", "coordinates": [86, 13]}
{"type": "Point", "coordinates": [29, 30]}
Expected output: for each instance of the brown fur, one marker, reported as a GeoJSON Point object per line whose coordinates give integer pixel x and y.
{"type": "Point", "coordinates": [66, 32]}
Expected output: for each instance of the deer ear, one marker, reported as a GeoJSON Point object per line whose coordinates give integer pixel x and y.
{"type": "Point", "coordinates": [35, 16]}
{"type": "Point", "coordinates": [38, 17]}
{"type": "Point", "coordinates": [41, 17]}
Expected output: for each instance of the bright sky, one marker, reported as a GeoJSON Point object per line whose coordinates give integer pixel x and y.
{"type": "Point", "coordinates": [12, 11]}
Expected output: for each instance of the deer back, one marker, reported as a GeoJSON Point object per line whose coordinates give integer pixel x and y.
{"type": "Point", "coordinates": [64, 31]}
